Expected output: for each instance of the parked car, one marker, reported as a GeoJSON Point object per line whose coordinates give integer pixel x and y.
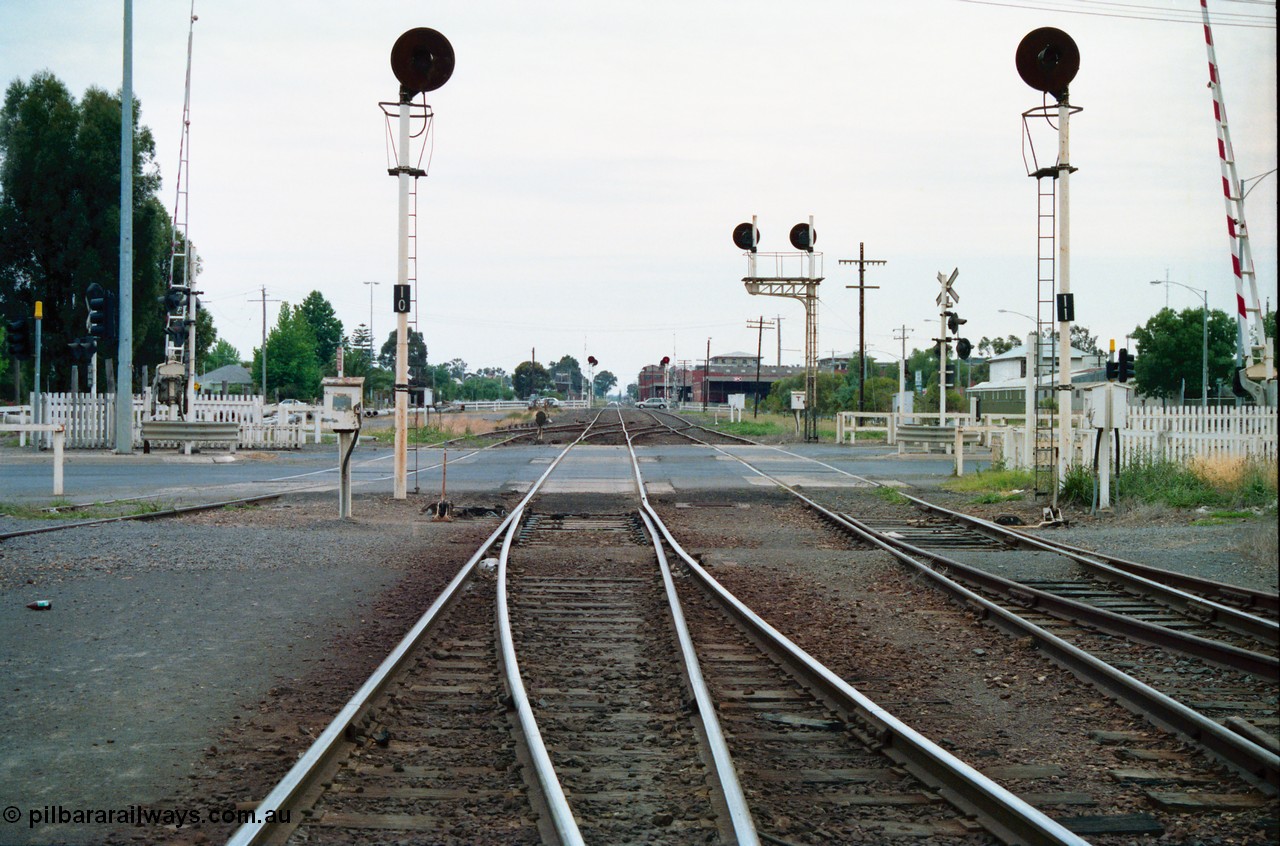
{"type": "Point", "coordinates": [652, 402]}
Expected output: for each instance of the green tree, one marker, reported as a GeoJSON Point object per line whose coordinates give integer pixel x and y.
{"type": "Point", "coordinates": [206, 337]}
{"type": "Point", "coordinates": [292, 367]}
{"type": "Point", "coordinates": [529, 378]}
{"type": "Point", "coordinates": [604, 381]}
{"type": "Point", "coordinates": [484, 388]}
{"type": "Point", "coordinates": [998, 346]}
{"type": "Point", "coordinates": [59, 216]}
{"type": "Point", "coordinates": [417, 357]}
{"type": "Point", "coordinates": [327, 328]}
{"type": "Point", "coordinates": [221, 355]}
{"type": "Point", "coordinates": [1171, 349]}
{"type": "Point", "coordinates": [358, 346]}
{"type": "Point", "coordinates": [567, 374]}
{"type": "Point", "coordinates": [827, 388]}
{"type": "Point", "coordinates": [1082, 340]}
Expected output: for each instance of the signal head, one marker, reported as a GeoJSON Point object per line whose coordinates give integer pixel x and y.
{"type": "Point", "coordinates": [803, 237]}
{"type": "Point", "coordinates": [422, 59]}
{"type": "Point", "coordinates": [1048, 60]}
{"type": "Point", "coordinates": [746, 236]}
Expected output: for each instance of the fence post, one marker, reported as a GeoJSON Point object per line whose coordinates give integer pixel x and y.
{"type": "Point", "coordinates": [59, 436]}
{"type": "Point", "coordinates": [959, 449]}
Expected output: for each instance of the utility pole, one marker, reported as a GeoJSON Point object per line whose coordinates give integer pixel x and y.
{"type": "Point", "coordinates": [264, 340]}
{"type": "Point", "coordinates": [124, 331]}
{"type": "Point", "coordinates": [778, 320]}
{"type": "Point", "coordinates": [372, 337]}
{"type": "Point", "coordinates": [706, 377]}
{"type": "Point", "coordinates": [760, 325]}
{"type": "Point", "coordinates": [862, 261]}
{"type": "Point", "coordinates": [902, 368]}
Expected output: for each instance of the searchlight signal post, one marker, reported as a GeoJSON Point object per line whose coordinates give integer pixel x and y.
{"type": "Point", "coordinates": [801, 286]}
{"type": "Point", "coordinates": [1047, 60]}
{"type": "Point", "coordinates": [422, 60]}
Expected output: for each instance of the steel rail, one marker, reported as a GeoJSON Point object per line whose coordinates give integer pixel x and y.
{"type": "Point", "coordinates": [558, 810]}
{"type": "Point", "coordinates": [1257, 763]}
{"type": "Point", "coordinates": [1241, 622]}
{"type": "Point", "coordinates": [740, 820]}
{"type": "Point", "coordinates": [1260, 599]}
{"type": "Point", "coordinates": [1151, 580]}
{"type": "Point", "coordinates": [322, 751]}
{"type": "Point", "coordinates": [1002, 812]}
{"type": "Point", "coordinates": [150, 515]}
{"type": "Point", "coordinates": [1153, 634]}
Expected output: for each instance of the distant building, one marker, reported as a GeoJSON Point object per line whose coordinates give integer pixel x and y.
{"type": "Point", "coordinates": [1005, 390]}
{"type": "Point", "coordinates": [221, 381]}
{"type": "Point", "coordinates": [730, 373]}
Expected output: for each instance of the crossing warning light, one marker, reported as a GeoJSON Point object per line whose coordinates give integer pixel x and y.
{"type": "Point", "coordinates": [101, 311]}
{"type": "Point", "coordinates": [1125, 365]}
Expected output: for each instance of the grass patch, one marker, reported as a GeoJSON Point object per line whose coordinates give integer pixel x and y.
{"type": "Point", "coordinates": [994, 480]}
{"type": "Point", "coordinates": [768, 425]}
{"type": "Point", "coordinates": [753, 429]}
{"type": "Point", "coordinates": [94, 511]}
{"type": "Point", "coordinates": [993, 497]}
{"type": "Point", "coordinates": [890, 495]}
{"type": "Point", "coordinates": [1227, 484]}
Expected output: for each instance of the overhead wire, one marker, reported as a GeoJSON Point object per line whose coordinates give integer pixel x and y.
{"type": "Point", "coordinates": [1236, 19]}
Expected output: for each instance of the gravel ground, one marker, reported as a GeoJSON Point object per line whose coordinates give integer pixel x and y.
{"type": "Point", "coordinates": [165, 638]}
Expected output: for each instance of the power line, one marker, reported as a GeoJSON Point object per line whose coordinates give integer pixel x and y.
{"type": "Point", "coordinates": [1238, 19]}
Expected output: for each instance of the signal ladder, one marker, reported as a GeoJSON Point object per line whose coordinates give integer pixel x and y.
{"type": "Point", "coordinates": [1045, 457]}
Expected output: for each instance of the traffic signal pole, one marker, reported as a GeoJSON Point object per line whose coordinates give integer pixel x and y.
{"type": "Point", "coordinates": [35, 395]}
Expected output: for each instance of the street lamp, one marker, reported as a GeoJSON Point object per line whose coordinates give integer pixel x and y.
{"type": "Point", "coordinates": [371, 336]}
{"type": "Point", "coordinates": [1020, 314]}
{"type": "Point", "coordinates": [1204, 352]}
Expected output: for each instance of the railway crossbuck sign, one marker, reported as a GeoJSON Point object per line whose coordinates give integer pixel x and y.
{"type": "Point", "coordinates": [948, 292]}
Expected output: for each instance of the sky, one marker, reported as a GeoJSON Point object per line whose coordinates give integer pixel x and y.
{"type": "Point", "coordinates": [588, 161]}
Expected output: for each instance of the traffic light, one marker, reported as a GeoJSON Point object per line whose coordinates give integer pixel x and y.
{"type": "Point", "coordinates": [82, 349]}
{"type": "Point", "coordinates": [18, 336]}
{"type": "Point", "coordinates": [963, 348]}
{"type": "Point", "coordinates": [175, 300]}
{"type": "Point", "coordinates": [666, 359]}
{"type": "Point", "coordinates": [176, 329]}
{"type": "Point", "coordinates": [954, 322]}
{"type": "Point", "coordinates": [591, 359]}
{"type": "Point", "coordinates": [1126, 364]}
{"type": "Point", "coordinates": [101, 304]}
{"type": "Point", "coordinates": [1113, 370]}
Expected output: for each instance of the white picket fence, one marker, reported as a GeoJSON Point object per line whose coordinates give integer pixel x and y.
{"type": "Point", "coordinates": [89, 421]}
{"type": "Point", "coordinates": [1177, 434]}
{"type": "Point", "coordinates": [1185, 432]}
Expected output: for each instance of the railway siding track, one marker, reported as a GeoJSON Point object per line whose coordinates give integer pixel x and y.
{"type": "Point", "coordinates": [1244, 740]}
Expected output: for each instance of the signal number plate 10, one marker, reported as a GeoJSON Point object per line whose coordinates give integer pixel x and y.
{"type": "Point", "coordinates": [400, 299]}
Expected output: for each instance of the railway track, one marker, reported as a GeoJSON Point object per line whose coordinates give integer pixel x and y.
{"type": "Point", "coordinates": [1199, 683]}
{"type": "Point", "coordinates": [617, 737]}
